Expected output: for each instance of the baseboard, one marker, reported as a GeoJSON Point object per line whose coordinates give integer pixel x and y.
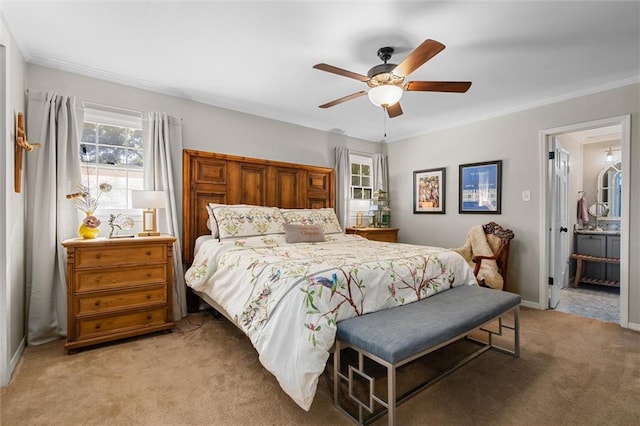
{"type": "Point", "coordinates": [15, 359]}
{"type": "Point", "coordinates": [634, 327]}
{"type": "Point", "coordinates": [532, 305]}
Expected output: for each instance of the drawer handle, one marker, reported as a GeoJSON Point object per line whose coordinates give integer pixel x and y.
{"type": "Point", "coordinates": [97, 303]}
{"type": "Point", "coordinates": [148, 253]}
{"type": "Point", "coordinates": [148, 296]}
{"type": "Point", "coordinates": [98, 256]}
{"type": "Point", "coordinates": [98, 326]}
{"type": "Point", "coordinates": [148, 317]}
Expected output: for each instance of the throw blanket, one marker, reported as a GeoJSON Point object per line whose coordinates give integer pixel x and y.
{"type": "Point", "coordinates": [477, 245]}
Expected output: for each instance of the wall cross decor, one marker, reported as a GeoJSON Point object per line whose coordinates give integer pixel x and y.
{"type": "Point", "coordinates": [21, 144]}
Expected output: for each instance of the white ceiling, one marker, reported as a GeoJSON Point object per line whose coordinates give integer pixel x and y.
{"type": "Point", "coordinates": [257, 57]}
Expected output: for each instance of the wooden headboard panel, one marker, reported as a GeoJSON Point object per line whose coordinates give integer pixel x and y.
{"type": "Point", "coordinates": [228, 179]}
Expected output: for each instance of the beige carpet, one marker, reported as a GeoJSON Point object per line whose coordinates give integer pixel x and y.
{"type": "Point", "coordinates": [572, 371]}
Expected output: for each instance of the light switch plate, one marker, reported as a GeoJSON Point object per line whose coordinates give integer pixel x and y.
{"type": "Point", "coordinates": [526, 195]}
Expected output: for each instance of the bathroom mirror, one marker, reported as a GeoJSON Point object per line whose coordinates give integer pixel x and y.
{"type": "Point", "coordinates": [610, 189]}
{"type": "Point", "coordinates": [598, 210]}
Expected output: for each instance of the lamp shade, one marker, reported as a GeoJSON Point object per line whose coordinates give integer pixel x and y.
{"type": "Point", "coordinates": [385, 95]}
{"type": "Point", "coordinates": [147, 199]}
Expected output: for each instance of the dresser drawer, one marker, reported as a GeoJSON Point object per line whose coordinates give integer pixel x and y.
{"type": "Point", "coordinates": [125, 299]}
{"type": "Point", "coordinates": [94, 327]}
{"type": "Point", "coordinates": [92, 257]}
{"type": "Point", "coordinates": [106, 278]}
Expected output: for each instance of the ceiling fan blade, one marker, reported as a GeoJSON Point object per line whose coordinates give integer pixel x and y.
{"type": "Point", "coordinates": [343, 99]}
{"type": "Point", "coordinates": [438, 86]}
{"type": "Point", "coordinates": [340, 71]}
{"type": "Point", "coordinates": [394, 110]}
{"type": "Point", "coordinates": [421, 54]}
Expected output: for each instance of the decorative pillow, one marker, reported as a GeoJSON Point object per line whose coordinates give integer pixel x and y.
{"type": "Point", "coordinates": [295, 233]}
{"type": "Point", "coordinates": [212, 225]}
{"type": "Point", "coordinates": [247, 221]}
{"type": "Point", "coordinates": [325, 217]}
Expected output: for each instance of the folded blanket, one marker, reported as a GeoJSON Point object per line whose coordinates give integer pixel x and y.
{"type": "Point", "coordinates": [476, 244]}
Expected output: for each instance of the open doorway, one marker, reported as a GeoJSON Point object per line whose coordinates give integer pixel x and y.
{"type": "Point", "coordinates": [601, 287]}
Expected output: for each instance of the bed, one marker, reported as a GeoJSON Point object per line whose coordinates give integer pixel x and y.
{"type": "Point", "coordinates": [274, 277]}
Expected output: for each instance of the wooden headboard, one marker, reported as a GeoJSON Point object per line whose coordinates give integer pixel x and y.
{"type": "Point", "coordinates": [228, 179]}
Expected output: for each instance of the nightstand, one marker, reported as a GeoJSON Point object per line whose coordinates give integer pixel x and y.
{"type": "Point", "coordinates": [389, 235]}
{"type": "Point", "coordinates": [118, 288]}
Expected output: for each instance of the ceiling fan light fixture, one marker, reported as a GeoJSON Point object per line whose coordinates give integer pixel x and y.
{"type": "Point", "coordinates": [385, 95]}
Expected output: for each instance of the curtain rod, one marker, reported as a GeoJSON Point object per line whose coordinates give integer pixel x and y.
{"type": "Point", "coordinates": [112, 107]}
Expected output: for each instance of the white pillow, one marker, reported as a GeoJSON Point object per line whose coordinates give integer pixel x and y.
{"type": "Point", "coordinates": [247, 221]}
{"type": "Point", "coordinates": [324, 216]}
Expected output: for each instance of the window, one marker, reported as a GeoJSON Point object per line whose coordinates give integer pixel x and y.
{"type": "Point", "coordinates": [361, 181]}
{"type": "Point", "coordinates": [361, 186]}
{"type": "Point", "coordinates": [111, 151]}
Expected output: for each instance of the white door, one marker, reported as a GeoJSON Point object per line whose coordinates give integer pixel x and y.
{"type": "Point", "coordinates": [559, 220]}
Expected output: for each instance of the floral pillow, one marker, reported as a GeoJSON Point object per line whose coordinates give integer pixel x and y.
{"type": "Point", "coordinates": [247, 221]}
{"type": "Point", "coordinates": [212, 225]}
{"type": "Point", "coordinates": [325, 217]}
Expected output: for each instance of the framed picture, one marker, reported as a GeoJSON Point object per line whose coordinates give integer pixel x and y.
{"type": "Point", "coordinates": [429, 191]}
{"type": "Point", "coordinates": [480, 187]}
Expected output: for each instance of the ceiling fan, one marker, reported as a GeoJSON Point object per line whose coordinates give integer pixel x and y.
{"type": "Point", "coordinates": [386, 81]}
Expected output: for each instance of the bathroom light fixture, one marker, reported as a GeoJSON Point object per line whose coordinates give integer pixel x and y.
{"type": "Point", "coordinates": [609, 156]}
{"type": "Point", "coordinates": [385, 95]}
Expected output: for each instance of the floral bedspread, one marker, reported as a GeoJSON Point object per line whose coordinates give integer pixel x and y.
{"type": "Point", "coordinates": [288, 297]}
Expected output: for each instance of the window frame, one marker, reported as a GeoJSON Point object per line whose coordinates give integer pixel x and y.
{"type": "Point", "coordinates": [362, 161]}
{"type": "Point", "coordinates": [118, 117]}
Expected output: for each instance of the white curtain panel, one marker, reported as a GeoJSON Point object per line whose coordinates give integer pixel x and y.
{"type": "Point", "coordinates": [163, 141]}
{"type": "Point", "coordinates": [52, 171]}
{"type": "Point", "coordinates": [343, 184]}
{"type": "Point", "coordinates": [380, 173]}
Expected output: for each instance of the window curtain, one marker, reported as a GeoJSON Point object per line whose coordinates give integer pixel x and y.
{"type": "Point", "coordinates": [380, 173]}
{"type": "Point", "coordinates": [343, 185]}
{"type": "Point", "coordinates": [52, 171]}
{"type": "Point", "coordinates": [163, 141]}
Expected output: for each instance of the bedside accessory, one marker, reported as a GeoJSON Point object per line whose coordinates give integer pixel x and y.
{"type": "Point", "coordinates": [85, 202]}
{"type": "Point", "coordinates": [120, 222]}
{"type": "Point", "coordinates": [89, 230]}
{"type": "Point", "coordinates": [150, 201]}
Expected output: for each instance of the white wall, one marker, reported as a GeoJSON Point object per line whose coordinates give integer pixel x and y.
{"type": "Point", "coordinates": [513, 138]}
{"type": "Point", "coordinates": [12, 260]}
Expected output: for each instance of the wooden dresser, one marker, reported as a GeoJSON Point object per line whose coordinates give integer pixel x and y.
{"type": "Point", "coordinates": [118, 288]}
{"type": "Point", "coordinates": [389, 235]}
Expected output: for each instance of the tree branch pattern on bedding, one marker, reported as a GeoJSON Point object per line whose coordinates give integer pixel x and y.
{"type": "Point", "coordinates": [288, 297]}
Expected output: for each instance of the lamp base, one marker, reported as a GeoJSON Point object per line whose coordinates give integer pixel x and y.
{"type": "Point", "coordinates": [148, 234]}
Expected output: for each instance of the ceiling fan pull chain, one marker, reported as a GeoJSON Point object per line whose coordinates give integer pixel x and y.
{"type": "Point", "coordinates": [384, 117]}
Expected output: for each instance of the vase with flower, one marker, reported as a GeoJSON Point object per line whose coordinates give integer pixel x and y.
{"type": "Point", "coordinates": [87, 203]}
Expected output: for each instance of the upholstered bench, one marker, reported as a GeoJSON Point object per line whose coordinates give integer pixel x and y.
{"type": "Point", "coordinates": [396, 336]}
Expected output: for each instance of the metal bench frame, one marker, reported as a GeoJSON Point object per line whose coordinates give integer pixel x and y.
{"type": "Point", "coordinates": [393, 401]}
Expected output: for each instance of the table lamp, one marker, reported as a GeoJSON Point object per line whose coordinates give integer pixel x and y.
{"type": "Point", "coordinates": [149, 201]}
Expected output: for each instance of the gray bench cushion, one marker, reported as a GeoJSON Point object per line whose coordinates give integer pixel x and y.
{"type": "Point", "coordinates": [398, 333]}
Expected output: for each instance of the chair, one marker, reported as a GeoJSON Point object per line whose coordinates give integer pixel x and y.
{"type": "Point", "coordinates": [487, 252]}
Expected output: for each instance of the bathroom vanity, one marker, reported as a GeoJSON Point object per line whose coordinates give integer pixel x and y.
{"type": "Point", "coordinates": [598, 257]}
